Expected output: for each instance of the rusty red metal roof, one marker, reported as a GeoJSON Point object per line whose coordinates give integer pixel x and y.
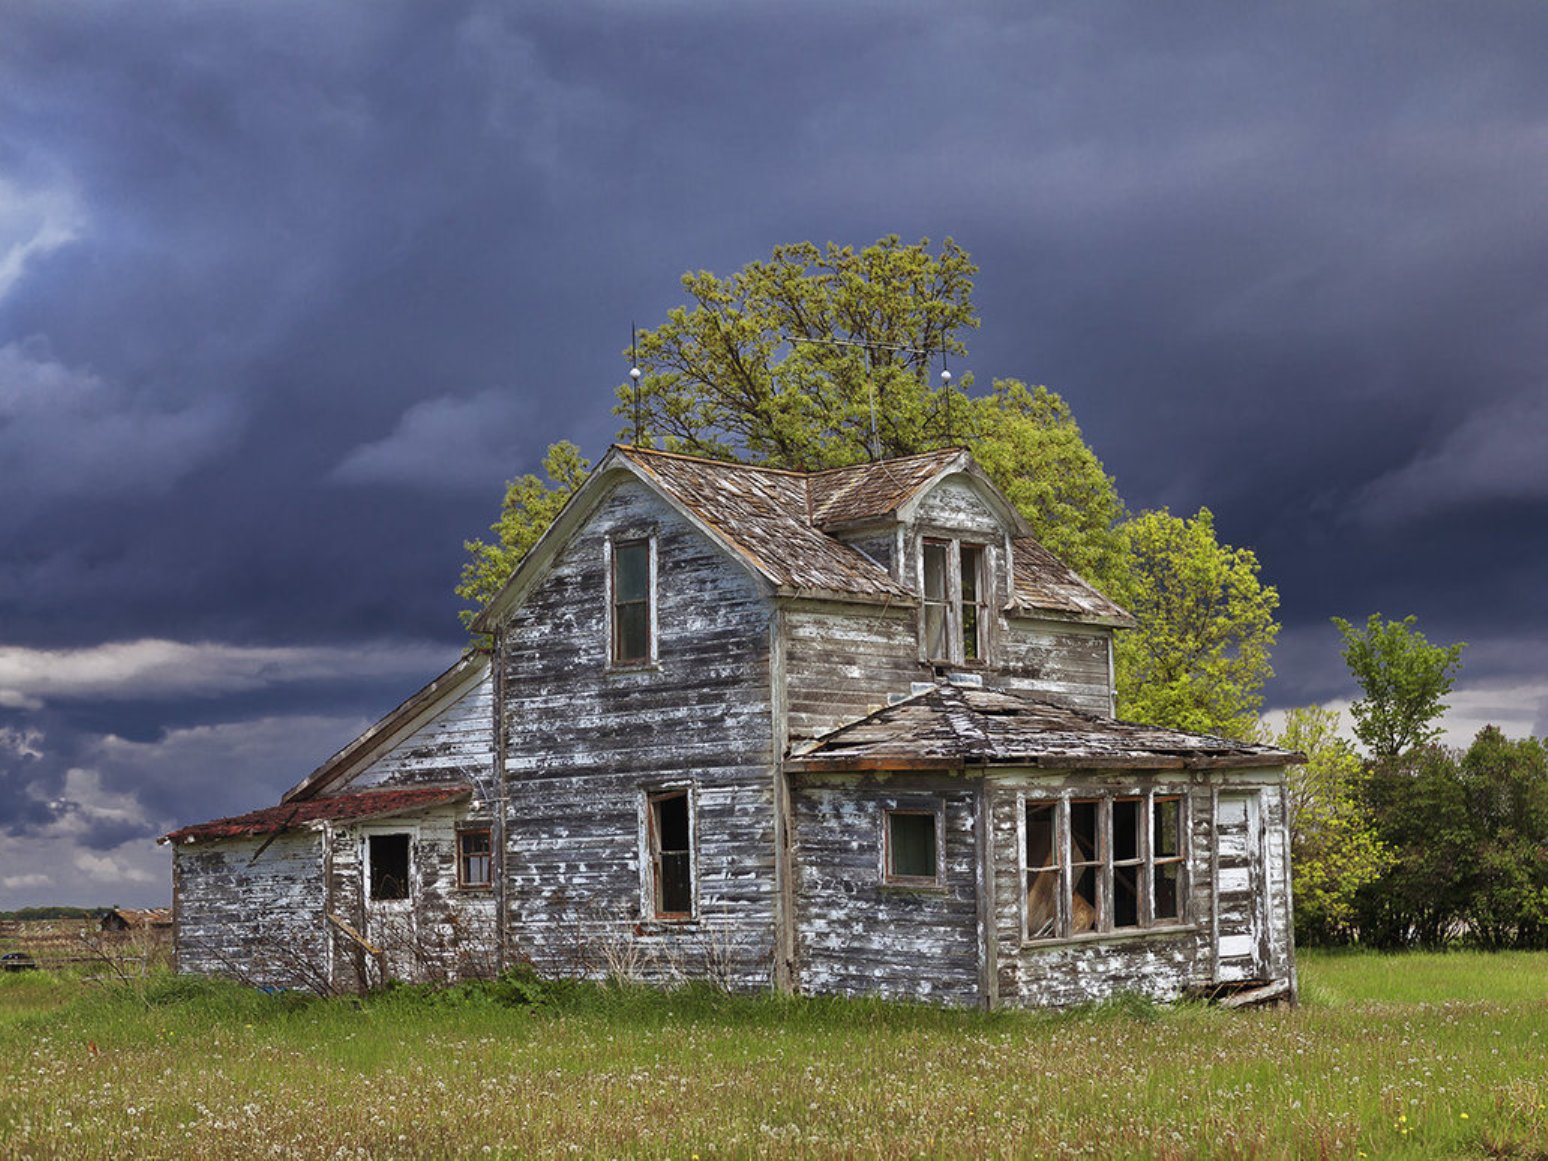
{"type": "Point", "coordinates": [361, 805]}
{"type": "Point", "coordinates": [950, 727]}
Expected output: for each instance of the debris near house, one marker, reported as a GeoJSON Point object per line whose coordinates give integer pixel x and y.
{"type": "Point", "coordinates": [137, 919]}
{"type": "Point", "coordinates": [846, 732]}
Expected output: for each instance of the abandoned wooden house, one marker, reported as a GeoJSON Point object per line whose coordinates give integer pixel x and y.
{"type": "Point", "coordinates": [846, 732]}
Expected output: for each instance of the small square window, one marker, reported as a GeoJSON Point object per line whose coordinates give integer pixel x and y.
{"type": "Point", "coordinates": [913, 846]}
{"type": "Point", "coordinates": [475, 858]}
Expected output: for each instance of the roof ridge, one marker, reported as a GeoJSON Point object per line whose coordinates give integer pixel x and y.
{"type": "Point", "coordinates": [632, 449]}
{"type": "Point", "coordinates": [953, 450]}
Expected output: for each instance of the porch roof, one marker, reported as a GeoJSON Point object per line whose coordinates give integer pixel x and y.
{"type": "Point", "coordinates": [357, 807]}
{"type": "Point", "coordinates": [950, 727]}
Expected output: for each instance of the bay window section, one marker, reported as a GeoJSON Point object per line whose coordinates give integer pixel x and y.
{"type": "Point", "coordinates": [1103, 864]}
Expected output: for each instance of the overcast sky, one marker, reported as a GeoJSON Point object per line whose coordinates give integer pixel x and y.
{"type": "Point", "coordinates": [288, 290]}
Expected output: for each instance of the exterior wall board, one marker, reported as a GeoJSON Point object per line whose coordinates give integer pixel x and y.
{"type": "Point", "coordinates": [855, 934]}
{"type": "Point", "coordinates": [585, 741]}
{"type": "Point", "coordinates": [456, 743]}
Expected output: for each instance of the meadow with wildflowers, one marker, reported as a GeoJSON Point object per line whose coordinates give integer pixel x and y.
{"type": "Point", "coordinates": [1414, 1055]}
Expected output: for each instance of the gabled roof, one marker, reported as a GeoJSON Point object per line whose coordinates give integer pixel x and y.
{"type": "Point", "coordinates": [765, 514]}
{"type": "Point", "coordinates": [357, 807]}
{"type": "Point", "coordinates": [951, 727]}
{"type": "Point", "coordinates": [378, 739]}
{"type": "Point", "coordinates": [777, 524]}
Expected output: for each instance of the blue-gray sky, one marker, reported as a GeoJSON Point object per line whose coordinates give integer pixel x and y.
{"type": "Point", "coordinates": [288, 290]}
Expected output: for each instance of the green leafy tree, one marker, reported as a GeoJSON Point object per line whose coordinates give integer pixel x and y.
{"type": "Point", "coordinates": [1200, 656]}
{"type": "Point", "coordinates": [1334, 850]}
{"type": "Point", "coordinates": [1505, 783]}
{"type": "Point", "coordinates": [826, 356]}
{"type": "Point", "coordinates": [529, 507]}
{"type": "Point", "coordinates": [1403, 679]}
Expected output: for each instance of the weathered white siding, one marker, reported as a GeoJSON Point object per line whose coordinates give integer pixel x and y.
{"type": "Point", "coordinates": [441, 932]}
{"type": "Point", "coordinates": [456, 743]}
{"type": "Point", "coordinates": [253, 910]}
{"type": "Point", "coordinates": [585, 742]}
{"type": "Point", "coordinates": [956, 506]}
{"type": "Point", "coordinates": [842, 662]}
{"type": "Point", "coordinates": [1067, 664]}
{"type": "Point", "coordinates": [857, 935]}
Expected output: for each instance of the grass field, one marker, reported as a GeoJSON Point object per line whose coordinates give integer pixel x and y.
{"type": "Point", "coordinates": [1416, 1055]}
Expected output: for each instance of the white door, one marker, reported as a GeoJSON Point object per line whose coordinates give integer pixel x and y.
{"type": "Point", "coordinates": [1241, 926]}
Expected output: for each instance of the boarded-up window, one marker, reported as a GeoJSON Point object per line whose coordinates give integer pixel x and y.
{"type": "Point", "coordinates": [912, 846]}
{"type": "Point", "coordinates": [631, 601]}
{"type": "Point", "coordinates": [1107, 863]}
{"type": "Point", "coordinates": [388, 856]}
{"type": "Point", "coordinates": [475, 858]}
{"type": "Point", "coordinates": [671, 853]}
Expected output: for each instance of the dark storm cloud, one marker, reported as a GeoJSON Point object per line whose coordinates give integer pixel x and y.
{"type": "Point", "coordinates": [287, 291]}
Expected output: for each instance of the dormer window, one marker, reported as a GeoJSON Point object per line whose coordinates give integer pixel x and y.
{"type": "Point", "coordinates": [954, 598]}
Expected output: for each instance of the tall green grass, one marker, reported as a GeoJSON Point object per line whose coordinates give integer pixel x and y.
{"type": "Point", "coordinates": [1415, 1055]}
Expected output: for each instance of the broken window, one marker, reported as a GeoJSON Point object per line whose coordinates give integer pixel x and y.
{"type": "Point", "coordinates": [669, 824]}
{"type": "Point", "coordinates": [631, 587]}
{"type": "Point", "coordinates": [954, 601]}
{"type": "Point", "coordinates": [912, 842]}
{"type": "Point", "coordinates": [475, 858]}
{"type": "Point", "coordinates": [1099, 864]}
{"type": "Point", "coordinates": [388, 858]}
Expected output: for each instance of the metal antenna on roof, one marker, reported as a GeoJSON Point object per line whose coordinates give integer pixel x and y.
{"type": "Point", "coordinates": [875, 448]}
{"type": "Point", "coordinates": [946, 386]}
{"type": "Point", "coordinates": [634, 376]}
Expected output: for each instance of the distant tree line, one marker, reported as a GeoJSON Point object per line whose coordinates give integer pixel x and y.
{"type": "Point", "coordinates": [26, 913]}
{"type": "Point", "coordinates": [1418, 844]}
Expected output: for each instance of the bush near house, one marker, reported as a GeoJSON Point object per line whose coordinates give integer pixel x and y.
{"type": "Point", "coordinates": [1411, 1055]}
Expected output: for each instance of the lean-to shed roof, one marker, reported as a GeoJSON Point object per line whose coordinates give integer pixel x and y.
{"type": "Point", "coordinates": [950, 727]}
{"type": "Point", "coordinates": [357, 807]}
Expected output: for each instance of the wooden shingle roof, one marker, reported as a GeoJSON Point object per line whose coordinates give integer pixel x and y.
{"type": "Point", "coordinates": [951, 727]}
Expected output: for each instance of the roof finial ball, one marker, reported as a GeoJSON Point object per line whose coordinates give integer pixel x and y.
{"type": "Point", "coordinates": [945, 379]}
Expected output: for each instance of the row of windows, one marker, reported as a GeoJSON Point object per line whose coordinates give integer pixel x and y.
{"type": "Point", "coordinates": [387, 862]}
{"type": "Point", "coordinates": [954, 601]}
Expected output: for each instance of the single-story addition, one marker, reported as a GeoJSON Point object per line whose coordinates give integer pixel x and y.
{"type": "Point", "coordinates": [846, 732]}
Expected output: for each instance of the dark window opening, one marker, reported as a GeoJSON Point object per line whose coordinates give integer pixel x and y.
{"type": "Point", "coordinates": [631, 601]}
{"type": "Point", "coordinates": [389, 859]}
{"type": "Point", "coordinates": [671, 841]}
{"type": "Point", "coordinates": [1167, 853]}
{"type": "Point", "coordinates": [475, 858]}
{"type": "Point", "coordinates": [1128, 862]}
{"type": "Point", "coordinates": [1042, 870]}
{"type": "Point", "coordinates": [974, 610]}
{"type": "Point", "coordinates": [912, 846]}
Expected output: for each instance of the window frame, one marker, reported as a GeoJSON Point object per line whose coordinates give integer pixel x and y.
{"type": "Point", "coordinates": [1066, 925]}
{"type": "Point", "coordinates": [464, 882]}
{"type": "Point", "coordinates": [612, 546]}
{"type": "Point", "coordinates": [935, 811]}
{"type": "Point", "coordinates": [368, 895]}
{"type": "Point", "coordinates": [953, 603]}
{"type": "Point", "coordinates": [651, 852]}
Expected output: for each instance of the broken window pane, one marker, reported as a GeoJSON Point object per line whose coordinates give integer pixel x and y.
{"type": "Point", "coordinates": [1168, 898]}
{"type": "Point", "coordinates": [972, 602]}
{"type": "Point", "coordinates": [671, 854]}
{"type": "Point", "coordinates": [1042, 870]}
{"type": "Point", "coordinates": [1126, 829]}
{"type": "Point", "coordinates": [388, 856]}
{"type": "Point", "coordinates": [911, 845]}
{"type": "Point", "coordinates": [1167, 842]}
{"type": "Point", "coordinates": [631, 600]}
{"type": "Point", "coordinates": [934, 571]}
{"type": "Point", "coordinates": [1085, 866]}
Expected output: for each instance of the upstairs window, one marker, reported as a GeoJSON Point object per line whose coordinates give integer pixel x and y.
{"type": "Point", "coordinates": [954, 599]}
{"type": "Point", "coordinates": [475, 858]}
{"type": "Point", "coordinates": [632, 585]}
{"type": "Point", "coordinates": [1103, 864]}
{"type": "Point", "coordinates": [669, 833]}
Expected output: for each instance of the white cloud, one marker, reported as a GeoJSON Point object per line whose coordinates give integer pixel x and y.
{"type": "Point", "coordinates": [1495, 454]}
{"type": "Point", "coordinates": [33, 223]}
{"type": "Point", "coordinates": [1519, 709]}
{"type": "Point", "coordinates": [21, 882]}
{"type": "Point", "coordinates": [156, 668]}
{"type": "Point", "coordinates": [447, 443]}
